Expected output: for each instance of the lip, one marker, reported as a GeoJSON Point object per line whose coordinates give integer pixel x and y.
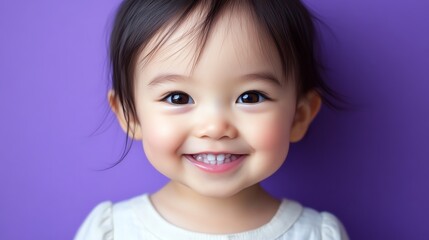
{"type": "Point", "coordinates": [221, 168]}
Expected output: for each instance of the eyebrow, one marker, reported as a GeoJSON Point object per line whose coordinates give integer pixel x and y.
{"type": "Point", "coordinates": [265, 76]}
{"type": "Point", "coordinates": [165, 78]}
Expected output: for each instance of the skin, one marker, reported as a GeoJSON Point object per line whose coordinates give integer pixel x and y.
{"type": "Point", "coordinates": [216, 120]}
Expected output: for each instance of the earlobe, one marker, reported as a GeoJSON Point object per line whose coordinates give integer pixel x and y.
{"type": "Point", "coordinates": [132, 128]}
{"type": "Point", "coordinates": [307, 109]}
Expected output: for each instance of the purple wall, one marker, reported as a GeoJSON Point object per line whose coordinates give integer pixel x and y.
{"type": "Point", "coordinates": [368, 166]}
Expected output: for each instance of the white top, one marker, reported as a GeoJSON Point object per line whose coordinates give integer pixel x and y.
{"type": "Point", "coordinates": [136, 219]}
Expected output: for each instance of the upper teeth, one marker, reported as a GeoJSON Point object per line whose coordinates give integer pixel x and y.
{"type": "Point", "coordinates": [215, 158]}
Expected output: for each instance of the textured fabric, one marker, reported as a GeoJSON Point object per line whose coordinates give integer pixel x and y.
{"type": "Point", "coordinates": [98, 224]}
{"type": "Point", "coordinates": [137, 219]}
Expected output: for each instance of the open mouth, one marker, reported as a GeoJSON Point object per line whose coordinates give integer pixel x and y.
{"type": "Point", "coordinates": [216, 163]}
{"type": "Point", "coordinates": [216, 159]}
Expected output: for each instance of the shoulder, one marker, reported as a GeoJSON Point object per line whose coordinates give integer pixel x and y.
{"type": "Point", "coordinates": [315, 225]}
{"type": "Point", "coordinates": [98, 224]}
{"type": "Point", "coordinates": [108, 220]}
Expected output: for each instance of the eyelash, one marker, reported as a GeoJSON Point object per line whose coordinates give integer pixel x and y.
{"type": "Point", "coordinates": [171, 96]}
{"type": "Point", "coordinates": [259, 93]}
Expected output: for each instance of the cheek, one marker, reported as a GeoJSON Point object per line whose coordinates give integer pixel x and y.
{"type": "Point", "coordinates": [271, 134]}
{"type": "Point", "coordinates": [161, 140]}
{"type": "Point", "coordinates": [160, 136]}
{"type": "Point", "coordinates": [269, 138]}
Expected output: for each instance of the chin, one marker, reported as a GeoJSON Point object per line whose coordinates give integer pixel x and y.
{"type": "Point", "coordinates": [218, 191]}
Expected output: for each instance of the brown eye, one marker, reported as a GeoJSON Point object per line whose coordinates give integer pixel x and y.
{"type": "Point", "coordinates": [178, 98]}
{"type": "Point", "coordinates": [251, 97]}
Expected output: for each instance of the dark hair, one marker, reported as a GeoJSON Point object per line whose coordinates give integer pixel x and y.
{"type": "Point", "coordinates": [288, 23]}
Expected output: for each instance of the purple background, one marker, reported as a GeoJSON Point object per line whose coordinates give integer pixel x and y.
{"type": "Point", "coordinates": [369, 166]}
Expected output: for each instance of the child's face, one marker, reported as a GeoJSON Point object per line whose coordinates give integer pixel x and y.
{"type": "Point", "coordinates": [236, 101]}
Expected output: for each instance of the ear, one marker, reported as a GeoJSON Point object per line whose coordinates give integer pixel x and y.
{"type": "Point", "coordinates": [307, 108]}
{"type": "Point", "coordinates": [134, 129]}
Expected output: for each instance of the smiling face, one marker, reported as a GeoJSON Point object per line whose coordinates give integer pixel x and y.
{"type": "Point", "coordinates": [225, 124]}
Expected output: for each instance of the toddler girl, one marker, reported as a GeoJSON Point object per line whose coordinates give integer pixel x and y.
{"type": "Point", "coordinates": [216, 90]}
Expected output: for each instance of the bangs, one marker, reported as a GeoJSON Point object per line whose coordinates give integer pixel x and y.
{"type": "Point", "coordinates": [193, 26]}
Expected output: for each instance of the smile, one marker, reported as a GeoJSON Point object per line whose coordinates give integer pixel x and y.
{"type": "Point", "coordinates": [216, 163]}
{"type": "Point", "coordinates": [216, 159]}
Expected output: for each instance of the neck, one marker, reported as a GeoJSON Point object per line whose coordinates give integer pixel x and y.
{"type": "Point", "coordinates": [187, 209]}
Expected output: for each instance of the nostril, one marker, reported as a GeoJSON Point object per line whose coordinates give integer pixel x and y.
{"type": "Point", "coordinates": [217, 131]}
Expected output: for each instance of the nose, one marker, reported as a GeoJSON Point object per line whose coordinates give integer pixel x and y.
{"type": "Point", "coordinates": [215, 123]}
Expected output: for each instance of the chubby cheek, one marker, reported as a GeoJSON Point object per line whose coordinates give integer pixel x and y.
{"type": "Point", "coordinates": [271, 136]}
{"type": "Point", "coordinates": [161, 140]}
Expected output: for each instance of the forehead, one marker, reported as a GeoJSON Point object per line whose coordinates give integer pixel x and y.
{"type": "Point", "coordinates": [234, 44]}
